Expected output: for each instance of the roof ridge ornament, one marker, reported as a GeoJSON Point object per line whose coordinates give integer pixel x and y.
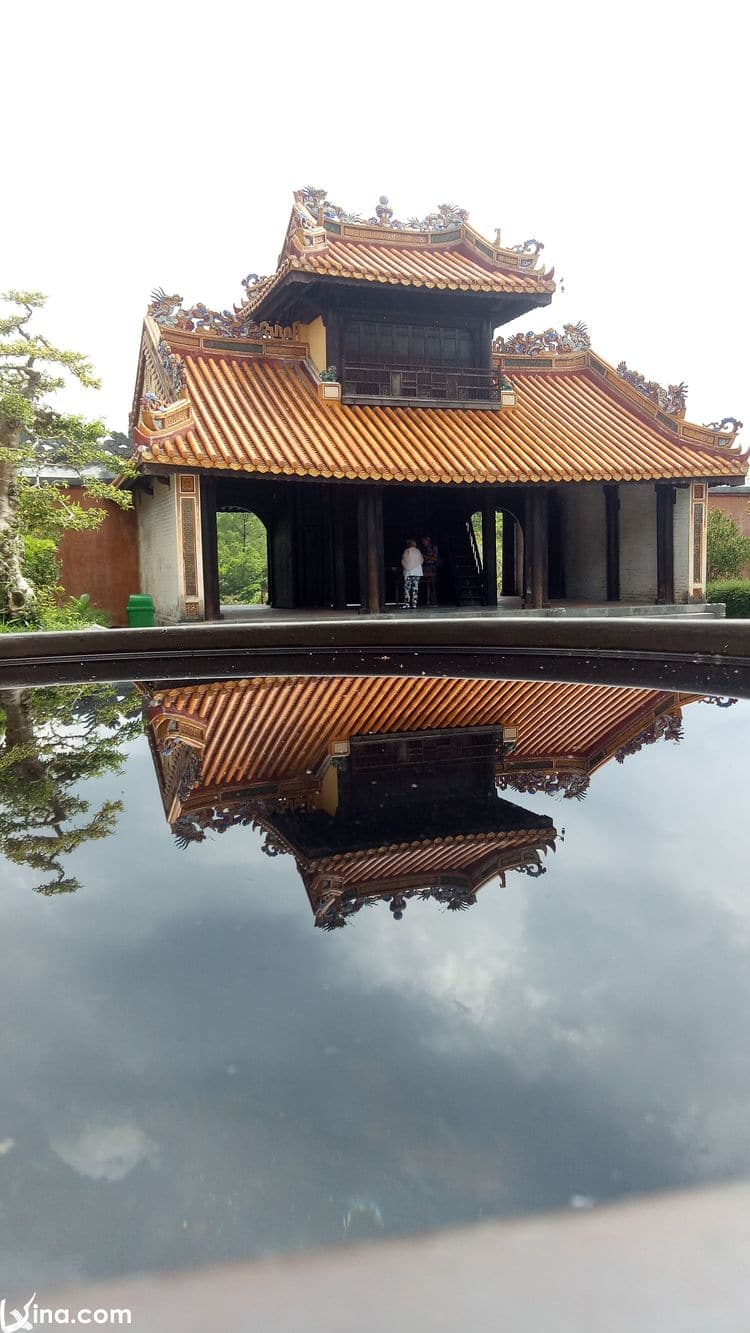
{"type": "Point", "coordinates": [313, 209]}
{"type": "Point", "coordinates": [169, 313]}
{"type": "Point", "coordinates": [574, 338]}
{"type": "Point", "coordinates": [668, 726]}
{"type": "Point", "coordinates": [532, 247]}
{"type": "Point", "coordinates": [728, 424]}
{"type": "Point", "coordinates": [672, 400]}
{"type": "Point", "coordinates": [571, 786]}
{"type": "Point", "coordinates": [174, 366]}
{"type": "Point", "coordinates": [445, 218]}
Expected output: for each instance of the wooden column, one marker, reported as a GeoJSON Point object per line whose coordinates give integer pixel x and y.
{"type": "Point", "coordinates": [371, 557]}
{"type": "Point", "coordinates": [509, 555]}
{"type": "Point", "coordinates": [556, 555]}
{"type": "Point", "coordinates": [483, 353]}
{"type": "Point", "coordinates": [612, 519]}
{"type": "Point", "coordinates": [489, 550]}
{"type": "Point", "coordinates": [334, 341]}
{"type": "Point", "coordinates": [665, 497]}
{"type": "Point", "coordinates": [339, 554]}
{"type": "Point", "coordinates": [538, 539]}
{"type": "Point", "coordinates": [210, 548]}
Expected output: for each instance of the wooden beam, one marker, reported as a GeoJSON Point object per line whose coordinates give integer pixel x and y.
{"type": "Point", "coordinates": [612, 520]}
{"type": "Point", "coordinates": [665, 499]}
{"type": "Point", "coordinates": [489, 549]}
{"type": "Point", "coordinates": [210, 548]}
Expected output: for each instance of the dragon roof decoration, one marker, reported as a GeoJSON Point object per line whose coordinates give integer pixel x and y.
{"type": "Point", "coordinates": [314, 214]}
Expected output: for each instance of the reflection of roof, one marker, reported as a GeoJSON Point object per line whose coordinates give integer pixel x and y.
{"type": "Point", "coordinates": [426, 858]}
{"type": "Point", "coordinates": [262, 415]}
{"type": "Point", "coordinates": [324, 839]}
{"type": "Point", "coordinates": [278, 728]}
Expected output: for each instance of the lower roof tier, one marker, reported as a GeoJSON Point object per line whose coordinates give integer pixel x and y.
{"type": "Point", "coordinates": [263, 416]}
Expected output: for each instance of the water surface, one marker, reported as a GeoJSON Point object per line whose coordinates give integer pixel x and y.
{"type": "Point", "coordinates": [193, 1071]}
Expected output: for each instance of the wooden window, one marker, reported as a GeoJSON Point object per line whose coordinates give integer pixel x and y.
{"type": "Point", "coordinates": [368, 343]}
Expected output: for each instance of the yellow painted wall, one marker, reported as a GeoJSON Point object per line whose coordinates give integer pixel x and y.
{"type": "Point", "coordinates": [329, 790]}
{"type": "Point", "coordinates": [314, 335]}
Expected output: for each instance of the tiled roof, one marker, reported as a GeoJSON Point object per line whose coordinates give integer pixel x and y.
{"type": "Point", "coordinates": [433, 856]}
{"type": "Point", "coordinates": [262, 415]}
{"type": "Point", "coordinates": [448, 267]}
{"type": "Point", "coordinates": [444, 253]}
{"type": "Point", "coordinates": [275, 729]}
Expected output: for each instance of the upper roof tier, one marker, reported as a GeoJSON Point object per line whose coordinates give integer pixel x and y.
{"type": "Point", "coordinates": [439, 253]}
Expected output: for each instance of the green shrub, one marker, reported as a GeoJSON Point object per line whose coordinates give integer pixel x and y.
{"type": "Point", "coordinates": [51, 614]}
{"type": "Point", "coordinates": [735, 593]}
{"type": "Point", "coordinates": [40, 563]}
{"type": "Point", "coordinates": [727, 549]}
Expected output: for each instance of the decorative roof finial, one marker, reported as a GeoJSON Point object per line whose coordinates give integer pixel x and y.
{"type": "Point", "coordinates": [384, 213]}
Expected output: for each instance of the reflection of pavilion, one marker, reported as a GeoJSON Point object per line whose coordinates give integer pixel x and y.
{"type": "Point", "coordinates": [386, 788]}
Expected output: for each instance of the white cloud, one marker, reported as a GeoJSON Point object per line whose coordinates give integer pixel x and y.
{"type": "Point", "coordinates": [105, 1151]}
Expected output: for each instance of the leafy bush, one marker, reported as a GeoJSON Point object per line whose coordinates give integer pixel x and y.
{"type": "Point", "coordinates": [726, 548]}
{"type": "Point", "coordinates": [40, 562]}
{"type": "Point", "coordinates": [735, 593]}
{"type": "Point", "coordinates": [50, 614]}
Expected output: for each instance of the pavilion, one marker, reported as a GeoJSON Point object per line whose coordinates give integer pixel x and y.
{"type": "Point", "coordinates": [359, 395]}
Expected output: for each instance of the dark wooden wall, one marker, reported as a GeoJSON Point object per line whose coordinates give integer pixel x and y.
{"type": "Point", "coordinates": [320, 533]}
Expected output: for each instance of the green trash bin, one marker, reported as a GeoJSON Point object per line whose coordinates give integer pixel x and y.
{"type": "Point", "coordinates": [141, 611]}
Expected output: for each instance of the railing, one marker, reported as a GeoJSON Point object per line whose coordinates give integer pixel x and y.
{"type": "Point", "coordinates": [478, 558]}
{"type": "Point", "coordinates": [454, 384]}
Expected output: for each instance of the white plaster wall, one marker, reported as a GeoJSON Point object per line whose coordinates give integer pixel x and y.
{"type": "Point", "coordinates": [638, 542]}
{"type": "Point", "coordinates": [584, 537]}
{"type": "Point", "coordinates": [158, 549]}
{"type": "Point", "coordinates": [682, 545]}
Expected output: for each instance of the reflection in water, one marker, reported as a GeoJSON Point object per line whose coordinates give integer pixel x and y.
{"type": "Point", "coordinates": [387, 789]}
{"type": "Point", "coordinates": [52, 740]}
{"type": "Point", "coordinates": [191, 1074]}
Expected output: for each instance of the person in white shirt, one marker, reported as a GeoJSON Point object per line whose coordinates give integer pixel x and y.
{"type": "Point", "coordinates": [411, 563]}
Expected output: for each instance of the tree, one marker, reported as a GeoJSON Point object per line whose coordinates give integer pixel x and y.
{"type": "Point", "coordinates": [51, 740]}
{"type": "Point", "coordinates": [727, 549]}
{"type": "Point", "coordinates": [31, 430]}
{"type": "Point", "coordinates": [243, 559]}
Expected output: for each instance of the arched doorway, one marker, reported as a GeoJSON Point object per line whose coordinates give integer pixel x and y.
{"type": "Point", "coordinates": [242, 542]}
{"type": "Point", "coordinates": [508, 550]}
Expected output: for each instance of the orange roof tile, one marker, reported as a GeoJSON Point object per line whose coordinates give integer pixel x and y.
{"type": "Point", "coordinates": [449, 267]}
{"type": "Point", "coordinates": [570, 424]}
{"type": "Point", "coordinates": [274, 729]}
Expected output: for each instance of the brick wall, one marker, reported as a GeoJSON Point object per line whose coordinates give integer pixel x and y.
{"type": "Point", "coordinates": [103, 563]}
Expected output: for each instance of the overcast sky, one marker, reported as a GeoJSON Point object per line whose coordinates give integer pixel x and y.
{"type": "Point", "coordinates": [159, 144]}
